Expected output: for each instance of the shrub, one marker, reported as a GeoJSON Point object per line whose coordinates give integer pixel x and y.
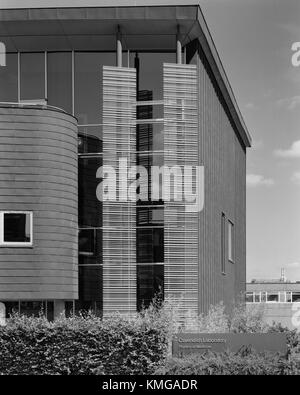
{"type": "Point", "coordinates": [83, 345]}
{"type": "Point", "coordinates": [217, 320]}
{"type": "Point", "coordinates": [247, 320]}
{"type": "Point", "coordinates": [243, 363]}
{"type": "Point", "coordinates": [293, 337]}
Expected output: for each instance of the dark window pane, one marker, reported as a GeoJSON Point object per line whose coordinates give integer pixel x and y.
{"type": "Point", "coordinates": [151, 72]}
{"type": "Point", "coordinates": [147, 160]}
{"type": "Point", "coordinates": [90, 208]}
{"type": "Point", "coordinates": [295, 297]}
{"type": "Point", "coordinates": [149, 216]}
{"type": "Point", "coordinates": [150, 245]}
{"type": "Point", "coordinates": [150, 137]}
{"type": "Point", "coordinates": [88, 85]}
{"type": "Point", "coordinates": [90, 283]}
{"type": "Point", "coordinates": [60, 80]}
{"type": "Point", "coordinates": [85, 306]}
{"type": "Point", "coordinates": [69, 308]}
{"type": "Point", "coordinates": [273, 297]}
{"type": "Point", "coordinates": [33, 308]}
{"type": "Point", "coordinates": [90, 140]}
{"type": "Point", "coordinates": [32, 76]}
{"type": "Point", "coordinates": [9, 79]}
{"type": "Point", "coordinates": [90, 245]}
{"type": "Point", "coordinates": [10, 308]}
{"type": "Point", "coordinates": [249, 297]}
{"type": "Point", "coordinates": [87, 241]}
{"type": "Point", "coordinates": [50, 311]}
{"type": "Point", "coordinates": [17, 228]}
{"type": "Point", "coordinates": [150, 283]}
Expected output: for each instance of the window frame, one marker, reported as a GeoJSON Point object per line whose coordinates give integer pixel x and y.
{"type": "Point", "coordinates": [223, 244]}
{"type": "Point", "coordinates": [15, 243]}
{"type": "Point", "coordinates": [231, 241]}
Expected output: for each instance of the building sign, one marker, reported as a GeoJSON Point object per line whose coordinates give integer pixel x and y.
{"type": "Point", "coordinates": [195, 343]}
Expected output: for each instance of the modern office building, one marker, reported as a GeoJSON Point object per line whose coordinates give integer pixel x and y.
{"type": "Point", "coordinates": [83, 88]}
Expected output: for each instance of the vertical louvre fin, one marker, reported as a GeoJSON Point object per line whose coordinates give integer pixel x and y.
{"type": "Point", "coordinates": [119, 218]}
{"type": "Point", "coordinates": [181, 149]}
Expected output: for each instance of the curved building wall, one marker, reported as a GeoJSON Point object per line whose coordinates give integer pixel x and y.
{"type": "Point", "coordinates": [38, 173]}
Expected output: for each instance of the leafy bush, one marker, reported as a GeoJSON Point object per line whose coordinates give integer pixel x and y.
{"type": "Point", "coordinates": [136, 345]}
{"type": "Point", "coordinates": [247, 320]}
{"type": "Point", "coordinates": [83, 345]}
{"type": "Point", "coordinates": [293, 337]}
{"type": "Point", "coordinates": [243, 363]}
{"type": "Point", "coordinates": [217, 320]}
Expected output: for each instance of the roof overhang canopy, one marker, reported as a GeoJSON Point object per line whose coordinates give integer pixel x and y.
{"type": "Point", "coordinates": [94, 29]}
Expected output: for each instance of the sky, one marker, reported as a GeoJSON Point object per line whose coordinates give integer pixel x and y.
{"type": "Point", "coordinates": [254, 40]}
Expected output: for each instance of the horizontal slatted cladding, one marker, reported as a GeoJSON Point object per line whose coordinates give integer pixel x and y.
{"type": "Point", "coordinates": [181, 149]}
{"type": "Point", "coordinates": [38, 173]}
{"type": "Point", "coordinates": [119, 218]}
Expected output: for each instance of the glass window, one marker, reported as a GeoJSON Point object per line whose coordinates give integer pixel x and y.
{"type": "Point", "coordinates": [150, 109]}
{"type": "Point", "coordinates": [230, 241]}
{"type": "Point", "coordinates": [16, 228]}
{"type": "Point", "coordinates": [88, 85]}
{"type": "Point", "coordinates": [149, 216]}
{"type": "Point", "coordinates": [90, 208]}
{"type": "Point", "coordinates": [11, 308]}
{"type": "Point", "coordinates": [257, 297]}
{"type": "Point", "coordinates": [90, 140]}
{"type": "Point", "coordinates": [150, 284]}
{"type": "Point", "coordinates": [90, 283]}
{"type": "Point", "coordinates": [150, 137]}
{"type": "Point", "coordinates": [90, 244]}
{"type": "Point", "coordinates": [35, 308]}
{"type": "Point", "coordinates": [150, 245]}
{"type": "Point", "coordinates": [263, 297]}
{"type": "Point", "coordinates": [59, 74]}
{"type": "Point", "coordinates": [151, 72]}
{"type": "Point", "coordinates": [155, 184]}
{"type": "Point", "coordinates": [86, 306]}
{"type": "Point", "coordinates": [9, 79]}
{"type": "Point", "coordinates": [33, 76]}
{"type": "Point", "coordinates": [289, 297]}
{"type": "Point", "coordinates": [273, 297]}
{"type": "Point", "coordinates": [223, 243]}
{"type": "Point", "coordinates": [296, 297]}
{"type": "Point", "coordinates": [249, 297]}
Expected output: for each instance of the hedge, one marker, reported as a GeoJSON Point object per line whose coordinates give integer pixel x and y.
{"type": "Point", "coordinates": [138, 345]}
{"type": "Point", "coordinates": [80, 345]}
{"type": "Point", "coordinates": [250, 363]}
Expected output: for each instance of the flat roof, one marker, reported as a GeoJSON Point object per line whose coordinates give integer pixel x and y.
{"type": "Point", "coordinates": [10, 4]}
{"type": "Point", "coordinates": [145, 26]}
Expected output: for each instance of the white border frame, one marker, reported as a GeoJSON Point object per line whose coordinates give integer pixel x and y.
{"type": "Point", "coordinates": [15, 244]}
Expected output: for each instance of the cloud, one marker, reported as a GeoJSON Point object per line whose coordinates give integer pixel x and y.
{"type": "Point", "coordinates": [257, 180]}
{"type": "Point", "coordinates": [292, 152]}
{"type": "Point", "coordinates": [294, 265]}
{"type": "Point", "coordinates": [290, 103]}
{"type": "Point", "coordinates": [296, 178]}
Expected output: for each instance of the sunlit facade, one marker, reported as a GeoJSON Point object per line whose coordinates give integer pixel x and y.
{"type": "Point", "coordinates": [143, 84]}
